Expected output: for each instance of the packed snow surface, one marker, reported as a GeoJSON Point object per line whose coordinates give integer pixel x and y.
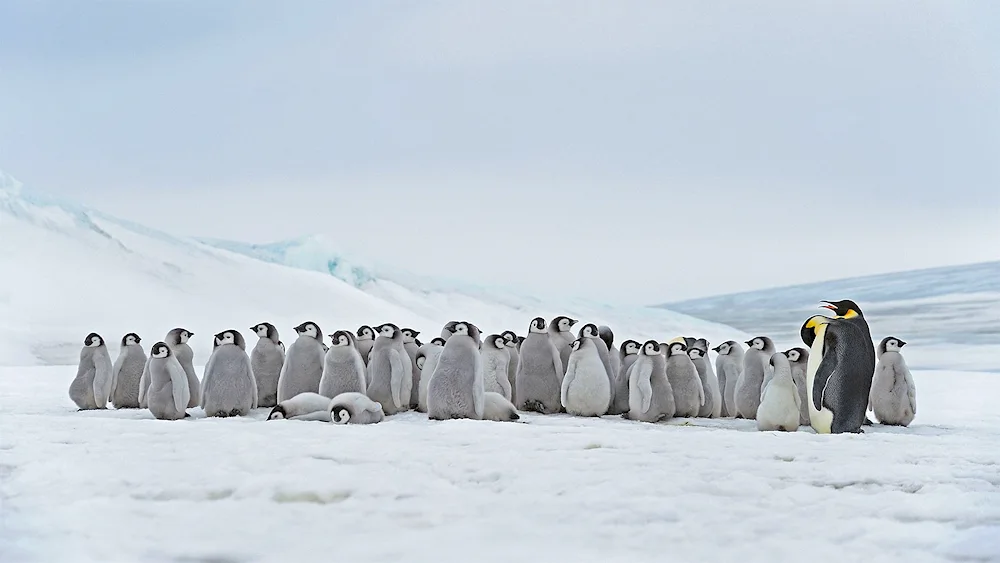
{"type": "Point", "coordinates": [121, 486]}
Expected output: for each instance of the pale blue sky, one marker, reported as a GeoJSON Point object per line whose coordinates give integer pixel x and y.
{"type": "Point", "coordinates": [630, 151]}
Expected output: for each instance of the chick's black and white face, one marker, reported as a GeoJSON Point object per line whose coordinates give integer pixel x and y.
{"type": "Point", "coordinates": [366, 333]}
{"type": "Point", "coordinates": [564, 324]}
{"type": "Point", "coordinates": [892, 345]}
{"type": "Point", "coordinates": [509, 337]}
{"type": "Point", "coordinates": [631, 348]}
{"type": "Point", "coordinates": [650, 349]}
{"type": "Point", "coordinates": [310, 329]}
{"type": "Point", "coordinates": [676, 349]}
{"type": "Point", "coordinates": [261, 331]}
{"type": "Point", "coordinates": [387, 331]}
{"type": "Point", "coordinates": [724, 349]}
{"type": "Point", "coordinates": [695, 353]}
{"type": "Point", "coordinates": [793, 355]}
{"type": "Point", "coordinates": [757, 344]}
{"type": "Point", "coordinates": [340, 339]}
{"type": "Point", "coordinates": [537, 325]}
{"type": "Point", "coordinates": [462, 328]}
{"type": "Point", "coordinates": [131, 339]}
{"type": "Point", "coordinates": [93, 341]}
{"type": "Point", "coordinates": [576, 344]}
{"type": "Point", "coordinates": [226, 338]}
{"type": "Point", "coordinates": [589, 331]}
{"type": "Point", "coordinates": [160, 350]}
{"type": "Point", "coordinates": [277, 414]}
{"type": "Point", "coordinates": [184, 336]}
{"type": "Point", "coordinates": [500, 343]}
{"type": "Point", "coordinates": [437, 341]}
{"type": "Point", "coordinates": [341, 415]}
{"type": "Point", "coordinates": [421, 360]}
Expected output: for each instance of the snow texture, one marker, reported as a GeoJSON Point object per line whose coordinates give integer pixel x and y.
{"type": "Point", "coordinates": [120, 486]}
{"type": "Point", "coordinates": [74, 271]}
{"type": "Point", "coordinates": [947, 315]}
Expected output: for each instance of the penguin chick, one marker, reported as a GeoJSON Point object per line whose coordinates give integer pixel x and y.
{"type": "Point", "coordinates": [893, 396]}
{"type": "Point", "coordinates": [560, 332]}
{"type": "Point", "coordinates": [228, 386]}
{"type": "Point", "coordinates": [390, 374]}
{"type": "Point", "coordinates": [683, 376]}
{"type": "Point", "coordinates": [539, 371]}
{"type": "Point", "coordinates": [614, 359]}
{"type": "Point", "coordinates": [365, 341]}
{"type": "Point", "coordinates": [497, 408]}
{"type": "Point", "coordinates": [177, 339]}
{"type": "Point", "coordinates": [496, 358]}
{"type": "Point", "coordinates": [456, 389]}
{"type": "Point", "coordinates": [751, 380]}
{"type": "Point", "coordinates": [586, 390]}
{"type": "Point", "coordinates": [126, 374]}
{"type": "Point", "coordinates": [650, 397]}
{"type": "Point", "coordinates": [266, 360]}
{"type": "Point", "coordinates": [698, 352]}
{"type": "Point", "coordinates": [412, 346]}
{"type": "Point", "coordinates": [628, 352]}
{"type": "Point", "coordinates": [798, 359]}
{"type": "Point", "coordinates": [303, 367]}
{"type": "Point", "coordinates": [427, 359]}
{"type": "Point", "coordinates": [510, 342]}
{"type": "Point", "coordinates": [304, 406]}
{"type": "Point", "coordinates": [779, 404]}
{"type": "Point", "coordinates": [728, 366]}
{"type": "Point", "coordinates": [593, 333]}
{"type": "Point", "coordinates": [91, 387]}
{"type": "Point", "coordinates": [355, 408]}
{"type": "Point", "coordinates": [343, 368]}
{"type": "Point", "coordinates": [168, 393]}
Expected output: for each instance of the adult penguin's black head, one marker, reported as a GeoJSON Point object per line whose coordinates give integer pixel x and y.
{"type": "Point", "coordinates": [845, 309]}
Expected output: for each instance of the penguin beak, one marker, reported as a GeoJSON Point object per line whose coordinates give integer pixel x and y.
{"type": "Point", "coordinates": [828, 305]}
{"type": "Point", "coordinates": [901, 343]}
{"type": "Point", "coordinates": [749, 342]}
{"type": "Point", "coordinates": [716, 349]}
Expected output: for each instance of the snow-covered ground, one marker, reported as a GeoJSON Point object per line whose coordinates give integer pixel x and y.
{"type": "Point", "coordinates": [950, 316]}
{"type": "Point", "coordinates": [120, 486]}
{"type": "Point", "coordinates": [68, 271]}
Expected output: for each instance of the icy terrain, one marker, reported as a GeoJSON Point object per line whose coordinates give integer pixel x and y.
{"type": "Point", "coordinates": [69, 271]}
{"type": "Point", "coordinates": [120, 486]}
{"type": "Point", "coordinates": [950, 316]}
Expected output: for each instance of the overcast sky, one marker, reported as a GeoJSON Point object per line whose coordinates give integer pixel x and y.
{"type": "Point", "coordinates": [631, 151]}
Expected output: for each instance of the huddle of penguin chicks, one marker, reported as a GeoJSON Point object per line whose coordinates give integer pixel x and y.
{"type": "Point", "coordinates": [363, 377]}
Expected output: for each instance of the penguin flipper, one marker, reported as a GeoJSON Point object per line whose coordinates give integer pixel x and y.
{"type": "Point", "coordinates": [103, 378]}
{"type": "Point", "coordinates": [117, 368]}
{"type": "Point", "coordinates": [178, 384]}
{"type": "Point", "coordinates": [396, 377]}
{"type": "Point", "coordinates": [253, 382]}
{"type": "Point", "coordinates": [825, 373]}
{"type": "Point", "coordinates": [643, 385]}
{"type": "Point", "coordinates": [144, 384]}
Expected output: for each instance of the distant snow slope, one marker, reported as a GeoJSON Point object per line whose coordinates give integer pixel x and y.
{"type": "Point", "coordinates": [68, 271]}
{"type": "Point", "coordinates": [939, 312]}
{"type": "Point", "coordinates": [119, 486]}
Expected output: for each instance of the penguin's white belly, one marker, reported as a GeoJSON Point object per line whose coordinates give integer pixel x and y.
{"type": "Point", "coordinates": [820, 420]}
{"type": "Point", "coordinates": [590, 390]}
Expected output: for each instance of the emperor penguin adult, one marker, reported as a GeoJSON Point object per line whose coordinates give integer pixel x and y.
{"type": "Point", "coordinates": [840, 368]}
{"type": "Point", "coordinates": [591, 332]}
{"type": "Point", "coordinates": [560, 330]}
{"type": "Point", "coordinates": [177, 339]}
{"type": "Point", "coordinates": [168, 394]}
{"type": "Point", "coordinates": [390, 375]}
{"type": "Point", "coordinates": [751, 380]}
{"type": "Point", "coordinates": [266, 360]}
{"type": "Point", "coordinates": [586, 389]}
{"type": "Point", "coordinates": [412, 346]}
{"type": "Point", "coordinates": [608, 336]}
{"type": "Point", "coordinates": [728, 366]}
{"type": "Point", "coordinates": [779, 402]}
{"type": "Point", "coordinates": [650, 397]}
{"type": "Point", "coordinates": [798, 359]}
{"type": "Point", "coordinates": [893, 397]}
{"type": "Point", "coordinates": [628, 352]}
{"type": "Point", "coordinates": [496, 358]}
{"type": "Point", "coordinates": [91, 387]}
{"type": "Point", "coordinates": [365, 341]}
{"type": "Point", "coordinates": [126, 374]}
{"type": "Point", "coordinates": [456, 389]}
{"type": "Point", "coordinates": [539, 371]}
{"type": "Point", "coordinates": [510, 341]}
{"type": "Point", "coordinates": [698, 352]}
{"type": "Point", "coordinates": [303, 367]}
{"type": "Point", "coordinates": [683, 377]}
{"type": "Point", "coordinates": [229, 387]}
{"type": "Point", "coordinates": [427, 359]}
{"type": "Point", "coordinates": [343, 368]}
